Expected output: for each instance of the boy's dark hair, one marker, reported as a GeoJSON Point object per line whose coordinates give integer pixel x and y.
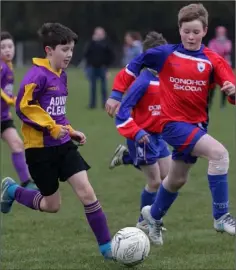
{"type": "Point", "coordinates": [193, 12]}
{"type": "Point", "coordinates": [53, 34]}
{"type": "Point", "coordinates": [152, 40]}
{"type": "Point", "coordinates": [6, 35]}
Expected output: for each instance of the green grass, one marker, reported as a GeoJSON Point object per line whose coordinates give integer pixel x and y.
{"type": "Point", "coordinates": [33, 240]}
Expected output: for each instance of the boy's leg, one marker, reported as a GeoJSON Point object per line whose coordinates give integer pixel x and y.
{"type": "Point", "coordinates": [11, 191]}
{"type": "Point", "coordinates": [154, 151]}
{"type": "Point", "coordinates": [10, 135]}
{"type": "Point", "coordinates": [218, 157]}
{"type": "Point", "coordinates": [121, 156]}
{"type": "Point", "coordinates": [182, 137]}
{"type": "Point", "coordinates": [74, 170]}
{"type": "Point", "coordinates": [164, 159]}
{"type": "Point", "coordinates": [148, 195]}
{"type": "Point", "coordinates": [93, 211]}
{"type": "Point", "coordinates": [45, 175]}
{"type": "Point", "coordinates": [145, 157]}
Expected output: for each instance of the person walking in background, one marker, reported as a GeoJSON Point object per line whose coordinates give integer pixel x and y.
{"type": "Point", "coordinates": [132, 47]}
{"type": "Point", "coordinates": [223, 46]}
{"type": "Point", "coordinates": [99, 56]}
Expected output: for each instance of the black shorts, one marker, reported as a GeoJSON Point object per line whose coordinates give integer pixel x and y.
{"type": "Point", "coordinates": [49, 165]}
{"type": "Point", "coordinates": [7, 124]}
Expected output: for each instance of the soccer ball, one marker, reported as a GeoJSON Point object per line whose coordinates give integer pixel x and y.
{"type": "Point", "coordinates": [130, 246]}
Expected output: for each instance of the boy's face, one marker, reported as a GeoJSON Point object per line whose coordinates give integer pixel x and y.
{"type": "Point", "coordinates": [192, 34]}
{"type": "Point", "coordinates": [7, 50]}
{"type": "Point", "coordinates": [61, 55]}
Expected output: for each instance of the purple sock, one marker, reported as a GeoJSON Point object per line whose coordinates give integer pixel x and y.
{"type": "Point", "coordinates": [29, 198]}
{"type": "Point", "coordinates": [18, 160]}
{"type": "Point", "coordinates": [98, 223]}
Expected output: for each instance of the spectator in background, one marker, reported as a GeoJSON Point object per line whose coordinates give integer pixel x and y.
{"type": "Point", "coordinates": [99, 56]}
{"type": "Point", "coordinates": [223, 46]}
{"type": "Point", "coordinates": [133, 46]}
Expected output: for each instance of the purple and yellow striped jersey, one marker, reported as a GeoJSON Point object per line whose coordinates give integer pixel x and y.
{"type": "Point", "coordinates": [41, 105]}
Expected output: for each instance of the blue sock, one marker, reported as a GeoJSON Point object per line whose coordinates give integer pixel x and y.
{"type": "Point", "coordinates": [220, 198]}
{"type": "Point", "coordinates": [12, 190]}
{"type": "Point", "coordinates": [147, 198]}
{"type": "Point", "coordinates": [127, 158]}
{"type": "Point", "coordinates": [163, 201]}
{"type": "Point", "coordinates": [105, 248]}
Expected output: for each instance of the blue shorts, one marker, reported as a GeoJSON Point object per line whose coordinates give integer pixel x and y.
{"type": "Point", "coordinates": [148, 154]}
{"type": "Point", "coordinates": [183, 137]}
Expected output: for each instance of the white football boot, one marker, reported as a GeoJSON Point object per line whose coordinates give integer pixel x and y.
{"type": "Point", "coordinates": [226, 223]}
{"type": "Point", "coordinates": [117, 158]}
{"type": "Point", "coordinates": [155, 231]}
{"type": "Point", "coordinates": [142, 225]}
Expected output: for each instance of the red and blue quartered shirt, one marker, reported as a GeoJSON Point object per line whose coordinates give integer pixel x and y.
{"type": "Point", "coordinates": [185, 79]}
{"type": "Point", "coordinates": [139, 112]}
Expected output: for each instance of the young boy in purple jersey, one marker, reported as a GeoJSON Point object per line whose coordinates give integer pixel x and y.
{"type": "Point", "coordinates": [8, 131]}
{"type": "Point", "coordinates": [139, 113]}
{"type": "Point", "coordinates": [50, 153]}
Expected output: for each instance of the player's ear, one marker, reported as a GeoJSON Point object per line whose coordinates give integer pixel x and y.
{"type": "Point", "coordinates": [48, 50]}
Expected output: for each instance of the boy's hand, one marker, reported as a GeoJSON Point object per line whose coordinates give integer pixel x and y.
{"type": "Point", "coordinates": [59, 131]}
{"type": "Point", "coordinates": [112, 106]}
{"type": "Point", "coordinates": [63, 132]}
{"type": "Point", "coordinates": [144, 139]}
{"type": "Point", "coordinates": [78, 137]}
{"type": "Point", "coordinates": [228, 88]}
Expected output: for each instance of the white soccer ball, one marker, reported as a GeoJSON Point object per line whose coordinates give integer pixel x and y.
{"type": "Point", "coordinates": [130, 246]}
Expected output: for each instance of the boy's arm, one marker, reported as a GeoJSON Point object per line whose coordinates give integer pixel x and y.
{"type": "Point", "coordinates": [223, 73]}
{"type": "Point", "coordinates": [153, 58]}
{"type": "Point", "coordinates": [125, 124]}
{"type": "Point", "coordinates": [9, 99]}
{"type": "Point", "coordinates": [29, 110]}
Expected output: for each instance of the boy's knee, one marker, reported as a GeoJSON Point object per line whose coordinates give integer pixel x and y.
{"type": "Point", "coordinates": [154, 184]}
{"type": "Point", "coordinates": [53, 207]}
{"type": "Point", "coordinates": [220, 163]}
{"type": "Point", "coordinates": [50, 205]}
{"type": "Point", "coordinates": [176, 183]}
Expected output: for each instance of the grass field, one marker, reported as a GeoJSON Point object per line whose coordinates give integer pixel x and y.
{"type": "Point", "coordinates": [33, 240]}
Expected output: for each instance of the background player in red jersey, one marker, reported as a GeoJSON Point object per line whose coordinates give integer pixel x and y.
{"type": "Point", "coordinates": [139, 115]}
{"type": "Point", "coordinates": [187, 72]}
{"type": "Point", "coordinates": [8, 131]}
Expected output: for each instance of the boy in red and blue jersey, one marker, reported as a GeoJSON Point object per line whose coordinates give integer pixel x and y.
{"type": "Point", "coordinates": [51, 154]}
{"type": "Point", "coordinates": [187, 71]}
{"type": "Point", "coordinates": [138, 119]}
